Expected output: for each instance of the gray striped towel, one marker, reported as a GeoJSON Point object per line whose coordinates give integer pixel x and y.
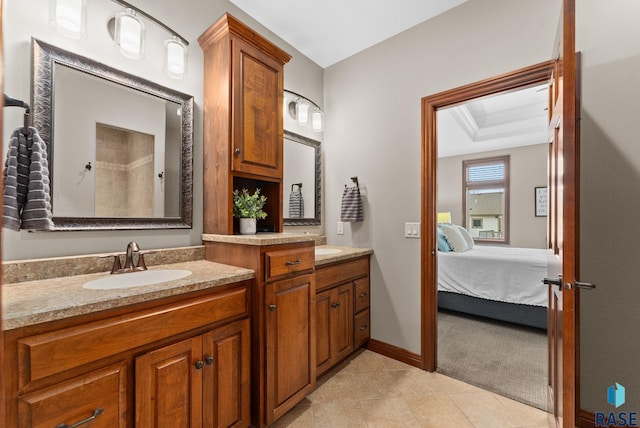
{"type": "Point", "coordinates": [296, 204]}
{"type": "Point", "coordinates": [26, 193]}
{"type": "Point", "coordinates": [351, 209]}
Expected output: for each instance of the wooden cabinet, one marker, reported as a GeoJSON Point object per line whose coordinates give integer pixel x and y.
{"type": "Point", "coordinates": [342, 311]}
{"type": "Point", "coordinates": [243, 121]}
{"type": "Point", "coordinates": [282, 322]}
{"type": "Point", "coordinates": [197, 382]}
{"type": "Point", "coordinates": [135, 366]}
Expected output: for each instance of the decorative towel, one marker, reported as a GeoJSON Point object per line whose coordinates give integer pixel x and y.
{"type": "Point", "coordinates": [296, 204]}
{"type": "Point", "coordinates": [26, 196]}
{"type": "Point", "coordinates": [351, 209]}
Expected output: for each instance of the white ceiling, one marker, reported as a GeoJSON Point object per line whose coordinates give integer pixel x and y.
{"type": "Point", "coordinates": [328, 31]}
{"type": "Point", "coordinates": [501, 121]}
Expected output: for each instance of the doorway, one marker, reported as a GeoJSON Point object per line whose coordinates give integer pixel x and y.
{"type": "Point", "coordinates": [529, 76]}
{"type": "Point", "coordinates": [492, 154]}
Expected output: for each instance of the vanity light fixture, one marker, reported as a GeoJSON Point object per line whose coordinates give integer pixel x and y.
{"type": "Point", "coordinates": [127, 30]}
{"type": "Point", "coordinates": [302, 109]}
{"type": "Point", "coordinates": [129, 34]}
{"type": "Point", "coordinates": [69, 17]}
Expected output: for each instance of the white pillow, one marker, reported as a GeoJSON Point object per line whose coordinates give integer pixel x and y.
{"type": "Point", "coordinates": [466, 235]}
{"type": "Point", "coordinates": [455, 238]}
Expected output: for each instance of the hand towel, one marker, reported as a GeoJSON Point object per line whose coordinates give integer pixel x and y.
{"type": "Point", "coordinates": [351, 209]}
{"type": "Point", "coordinates": [26, 193]}
{"type": "Point", "coordinates": [296, 204]}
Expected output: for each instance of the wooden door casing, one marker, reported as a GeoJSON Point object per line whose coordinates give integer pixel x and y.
{"type": "Point", "coordinates": [528, 76]}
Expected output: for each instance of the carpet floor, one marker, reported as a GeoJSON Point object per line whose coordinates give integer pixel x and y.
{"type": "Point", "coordinates": [504, 358]}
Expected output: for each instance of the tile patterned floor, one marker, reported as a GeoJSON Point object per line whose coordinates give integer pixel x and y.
{"type": "Point", "coordinates": [372, 391]}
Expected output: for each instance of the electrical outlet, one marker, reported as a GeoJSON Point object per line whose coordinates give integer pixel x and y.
{"type": "Point", "coordinates": [412, 230]}
{"type": "Point", "coordinates": [340, 228]}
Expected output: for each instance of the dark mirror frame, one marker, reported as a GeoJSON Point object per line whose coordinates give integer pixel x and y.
{"type": "Point", "coordinates": [318, 181]}
{"type": "Point", "coordinates": [43, 59]}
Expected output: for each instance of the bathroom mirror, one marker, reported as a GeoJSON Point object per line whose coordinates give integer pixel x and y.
{"type": "Point", "coordinates": [302, 185]}
{"type": "Point", "coordinates": [120, 147]}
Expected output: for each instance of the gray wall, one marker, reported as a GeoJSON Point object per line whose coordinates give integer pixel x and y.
{"type": "Point", "coordinates": [190, 19]}
{"type": "Point", "coordinates": [528, 169]}
{"type": "Point", "coordinates": [372, 101]}
{"type": "Point", "coordinates": [607, 35]}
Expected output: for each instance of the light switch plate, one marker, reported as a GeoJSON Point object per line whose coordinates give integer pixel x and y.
{"type": "Point", "coordinates": [340, 228]}
{"type": "Point", "coordinates": [412, 230]}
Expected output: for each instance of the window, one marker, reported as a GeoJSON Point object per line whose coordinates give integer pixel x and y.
{"type": "Point", "coordinates": [485, 199]}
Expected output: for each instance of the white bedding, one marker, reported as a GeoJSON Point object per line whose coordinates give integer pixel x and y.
{"type": "Point", "coordinates": [505, 274]}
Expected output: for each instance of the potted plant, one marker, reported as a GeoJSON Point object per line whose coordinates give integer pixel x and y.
{"type": "Point", "coordinates": [248, 207]}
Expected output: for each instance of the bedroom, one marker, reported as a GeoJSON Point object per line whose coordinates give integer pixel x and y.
{"type": "Point", "coordinates": [492, 159]}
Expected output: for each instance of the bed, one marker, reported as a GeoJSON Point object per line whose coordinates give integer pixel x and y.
{"type": "Point", "coordinates": [503, 283]}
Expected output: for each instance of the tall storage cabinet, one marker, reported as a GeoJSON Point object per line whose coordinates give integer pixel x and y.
{"type": "Point", "coordinates": [243, 122]}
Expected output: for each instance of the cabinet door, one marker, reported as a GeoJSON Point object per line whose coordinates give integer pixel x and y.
{"type": "Point", "coordinates": [226, 376]}
{"type": "Point", "coordinates": [290, 330]}
{"type": "Point", "coordinates": [257, 112]}
{"type": "Point", "coordinates": [99, 398]}
{"type": "Point", "coordinates": [323, 331]}
{"type": "Point", "coordinates": [169, 386]}
{"type": "Point", "coordinates": [334, 326]}
{"type": "Point", "coordinates": [342, 323]}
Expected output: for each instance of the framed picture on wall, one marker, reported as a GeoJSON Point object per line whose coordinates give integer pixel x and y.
{"type": "Point", "coordinates": [541, 201]}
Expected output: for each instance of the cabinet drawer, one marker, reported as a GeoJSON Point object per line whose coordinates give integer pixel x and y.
{"type": "Point", "coordinates": [99, 394]}
{"type": "Point", "coordinates": [53, 352]}
{"type": "Point", "coordinates": [361, 328]}
{"type": "Point", "coordinates": [342, 272]}
{"type": "Point", "coordinates": [361, 297]}
{"type": "Point", "coordinates": [281, 263]}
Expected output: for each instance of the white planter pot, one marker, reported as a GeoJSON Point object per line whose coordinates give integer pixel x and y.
{"type": "Point", "coordinates": [247, 226]}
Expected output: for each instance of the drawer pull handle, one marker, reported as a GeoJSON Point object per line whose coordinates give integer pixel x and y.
{"type": "Point", "coordinates": [199, 365]}
{"type": "Point", "coordinates": [292, 263]}
{"type": "Point", "coordinates": [335, 305]}
{"type": "Point", "coordinates": [272, 308]}
{"type": "Point", "coordinates": [362, 294]}
{"type": "Point", "coordinates": [97, 412]}
{"type": "Point", "coordinates": [209, 360]}
{"type": "Point", "coordinates": [364, 327]}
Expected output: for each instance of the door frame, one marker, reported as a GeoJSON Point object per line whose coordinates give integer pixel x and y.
{"type": "Point", "coordinates": [518, 79]}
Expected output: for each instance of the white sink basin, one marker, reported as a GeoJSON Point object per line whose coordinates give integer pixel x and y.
{"type": "Point", "coordinates": [327, 251]}
{"type": "Point", "coordinates": [136, 279]}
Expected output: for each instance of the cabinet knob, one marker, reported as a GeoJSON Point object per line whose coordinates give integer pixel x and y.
{"type": "Point", "coordinates": [272, 308]}
{"type": "Point", "coordinates": [209, 360]}
{"type": "Point", "coordinates": [364, 327]}
{"type": "Point", "coordinates": [362, 295]}
{"type": "Point", "coordinates": [199, 365]}
{"type": "Point", "coordinates": [335, 305]}
{"type": "Point", "coordinates": [237, 151]}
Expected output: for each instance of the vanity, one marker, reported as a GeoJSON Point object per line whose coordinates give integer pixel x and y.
{"type": "Point", "coordinates": [175, 353]}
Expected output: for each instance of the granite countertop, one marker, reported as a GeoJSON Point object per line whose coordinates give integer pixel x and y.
{"type": "Point", "coordinates": [345, 253]}
{"type": "Point", "coordinates": [33, 291]}
{"type": "Point", "coordinates": [34, 302]}
{"type": "Point", "coordinates": [263, 238]}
